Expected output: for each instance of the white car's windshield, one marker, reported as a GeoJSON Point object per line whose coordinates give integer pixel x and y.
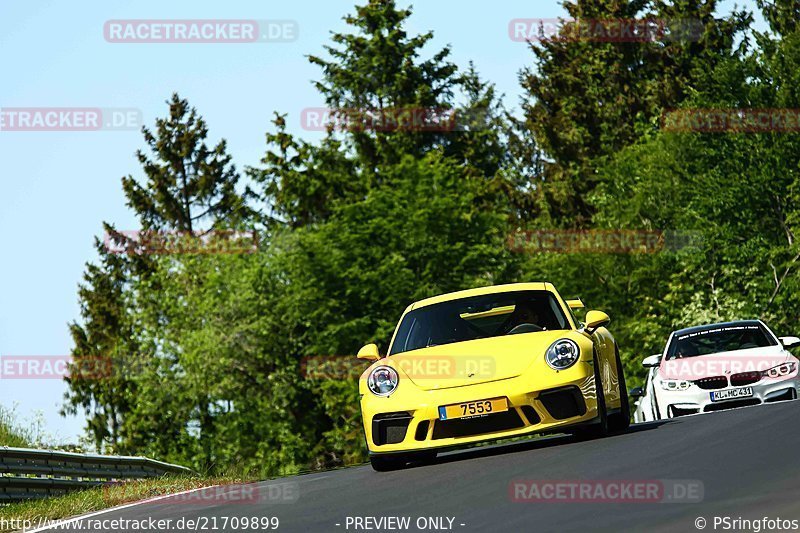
{"type": "Point", "coordinates": [719, 338]}
{"type": "Point", "coordinates": [479, 317]}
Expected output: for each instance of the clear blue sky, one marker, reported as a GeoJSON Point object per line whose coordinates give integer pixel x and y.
{"type": "Point", "coordinates": [57, 187]}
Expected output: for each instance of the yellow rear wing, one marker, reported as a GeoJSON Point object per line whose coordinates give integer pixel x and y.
{"type": "Point", "coordinates": [576, 303]}
{"type": "Point", "coordinates": [504, 310]}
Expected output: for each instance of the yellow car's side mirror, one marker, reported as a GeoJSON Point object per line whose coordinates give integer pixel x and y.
{"type": "Point", "coordinates": [369, 352]}
{"type": "Point", "coordinates": [594, 320]}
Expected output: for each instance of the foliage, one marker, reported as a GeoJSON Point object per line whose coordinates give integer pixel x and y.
{"type": "Point", "coordinates": [586, 98]}
{"type": "Point", "coordinates": [209, 351]}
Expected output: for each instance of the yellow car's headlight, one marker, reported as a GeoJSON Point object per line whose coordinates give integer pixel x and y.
{"type": "Point", "coordinates": [382, 381]}
{"type": "Point", "coordinates": [562, 354]}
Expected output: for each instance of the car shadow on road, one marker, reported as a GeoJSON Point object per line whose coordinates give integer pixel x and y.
{"type": "Point", "coordinates": [536, 443]}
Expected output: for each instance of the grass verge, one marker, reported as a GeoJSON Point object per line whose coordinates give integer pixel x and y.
{"type": "Point", "coordinates": [39, 512]}
{"type": "Point", "coordinates": [10, 433]}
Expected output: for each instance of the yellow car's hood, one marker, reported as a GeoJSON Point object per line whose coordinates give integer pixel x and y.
{"type": "Point", "coordinates": [472, 362]}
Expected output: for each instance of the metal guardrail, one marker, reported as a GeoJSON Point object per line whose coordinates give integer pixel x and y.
{"type": "Point", "coordinates": [27, 474]}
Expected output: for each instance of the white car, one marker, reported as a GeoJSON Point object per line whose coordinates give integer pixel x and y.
{"type": "Point", "coordinates": [715, 367]}
{"type": "Point", "coordinates": [644, 408]}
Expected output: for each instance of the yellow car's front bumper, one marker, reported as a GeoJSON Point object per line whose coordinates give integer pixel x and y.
{"type": "Point", "coordinates": [409, 419]}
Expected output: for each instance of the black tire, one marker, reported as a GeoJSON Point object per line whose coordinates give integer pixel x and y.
{"type": "Point", "coordinates": [599, 428]}
{"type": "Point", "coordinates": [621, 420]}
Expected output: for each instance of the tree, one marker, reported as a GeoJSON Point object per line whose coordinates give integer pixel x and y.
{"type": "Point", "coordinates": [587, 98]}
{"type": "Point", "coordinates": [365, 221]}
{"type": "Point", "coordinates": [301, 182]}
{"type": "Point", "coordinates": [734, 192]}
{"type": "Point", "coordinates": [99, 382]}
{"type": "Point", "coordinates": [189, 188]}
{"type": "Point", "coordinates": [783, 16]}
{"type": "Point", "coordinates": [479, 139]}
{"type": "Point", "coordinates": [375, 71]}
{"type": "Point", "coordinates": [188, 184]}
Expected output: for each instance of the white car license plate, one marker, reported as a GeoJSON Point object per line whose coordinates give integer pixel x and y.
{"type": "Point", "coordinates": [731, 394]}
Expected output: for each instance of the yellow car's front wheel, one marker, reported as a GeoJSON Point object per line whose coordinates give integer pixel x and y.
{"type": "Point", "coordinates": [600, 427]}
{"type": "Point", "coordinates": [615, 421]}
{"type": "Point", "coordinates": [621, 420]}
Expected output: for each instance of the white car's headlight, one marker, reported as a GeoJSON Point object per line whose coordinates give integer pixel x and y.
{"type": "Point", "coordinates": [562, 354]}
{"type": "Point", "coordinates": [779, 371]}
{"type": "Point", "coordinates": [382, 381]}
{"type": "Point", "coordinates": [675, 384]}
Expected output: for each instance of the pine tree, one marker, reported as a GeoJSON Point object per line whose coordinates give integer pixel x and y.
{"type": "Point", "coordinates": [189, 186]}
{"type": "Point", "coordinates": [302, 182]}
{"type": "Point", "coordinates": [479, 139]}
{"type": "Point", "coordinates": [104, 351]}
{"type": "Point", "coordinates": [587, 98]}
{"type": "Point", "coordinates": [375, 69]}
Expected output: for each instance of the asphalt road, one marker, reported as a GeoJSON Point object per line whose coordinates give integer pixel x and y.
{"type": "Point", "coordinates": [746, 461]}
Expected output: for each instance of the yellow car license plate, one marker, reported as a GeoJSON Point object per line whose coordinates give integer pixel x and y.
{"type": "Point", "coordinates": [473, 409]}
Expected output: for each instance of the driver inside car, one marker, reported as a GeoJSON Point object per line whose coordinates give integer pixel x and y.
{"type": "Point", "coordinates": [686, 348]}
{"type": "Point", "coordinates": [526, 320]}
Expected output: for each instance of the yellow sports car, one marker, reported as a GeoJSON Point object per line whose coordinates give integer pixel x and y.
{"type": "Point", "coordinates": [490, 363]}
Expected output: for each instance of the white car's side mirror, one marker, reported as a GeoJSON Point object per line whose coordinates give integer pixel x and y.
{"type": "Point", "coordinates": [653, 360]}
{"type": "Point", "coordinates": [790, 342]}
{"type": "Point", "coordinates": [636, 392]}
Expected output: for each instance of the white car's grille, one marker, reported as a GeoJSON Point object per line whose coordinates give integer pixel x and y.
{"type": "Point", "coordinates": [712, 383]}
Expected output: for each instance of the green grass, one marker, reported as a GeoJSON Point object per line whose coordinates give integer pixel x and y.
{"type": "Point", "coordinates": [85, 501]}
{"type": "Point", "coordinates": [11, 434]}
{"type": "Point", "coordinates": [38, 512]}
{"type": "Point", "coordinates": [99, 498]}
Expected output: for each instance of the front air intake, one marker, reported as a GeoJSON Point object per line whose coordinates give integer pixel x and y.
{"type": "Point", "coordinates": [563, 403]}
{"type": "Point", "coordinates": [467, 427]}
{"type": "Point", "coordinates": [390, 428]}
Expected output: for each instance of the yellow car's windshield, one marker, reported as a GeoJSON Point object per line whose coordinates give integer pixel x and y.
{"type": "Point", "coordinates": [479, 317]}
